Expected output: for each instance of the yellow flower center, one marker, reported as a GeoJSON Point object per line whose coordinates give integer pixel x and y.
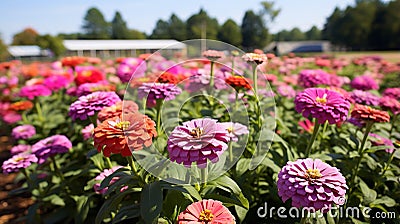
{"type": "Point", "coordinates": [123, 125]}
{"type": "Point", "coordinates": [196, 132]}
{"type": "Point", "coordinates": [87, 73]}
{"type": "Point", "coordinates": [18, 159]}
{"type": "Point", "coordinates": [230, 129]}
{"type": "Point", "coordinates": [313, 174]}
{"type": "Point", "coordinates": [321, 100]}
{"type": "Point", "coordinates": [206, 215]}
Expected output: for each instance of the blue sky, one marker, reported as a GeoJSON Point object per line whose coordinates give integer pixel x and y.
{"type": "Point", "coordinates": [50, 16]}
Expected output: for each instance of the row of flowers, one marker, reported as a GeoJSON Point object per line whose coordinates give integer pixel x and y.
{"type": "Point", "coordinates": [118, 127]}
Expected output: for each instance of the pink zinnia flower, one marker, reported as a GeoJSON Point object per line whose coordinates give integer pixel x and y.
{"type": "Point", "coordinates": [56, 82]}
{"type": "Point", "coordinates": [312, 78]}
{"type": "Point", "coordinates": [129, 67]}
{"type": "Point", "coordinates": [378, 140]}
{"type": "Point", "coordinates": [23, 132]}
{"type": "Point", "coordinates": [87, 132]}
{"type": "Point", "coordinates": [33, 91]}
{"type": "Point", "coordinates": [51, 146]}
{"type": "Point", "coordinates": [158, 91]}
{"type": "Point", "coordinates": [307, 125]}
{"type": "Point", "coordinates": [88, 105]}
{"type": "Point", "coordinates": [102, 176]}
{"type": "Point", "coordinates": [17, 162]}
{"type": "Point", "coordinates": [312, 184]}
{"type": "Point", "coordinates": [389, 103]}
{"type": "Point", "coordinates": [322, 104]}
{"type": "Point", "coordinates": [364, 82]}
{"type": "Point", "coordinates": [196, 141]}
{"type": "Point", "coordinates": [20, 148]}
{"type": "Point", "coordinates": [286, 91]}
{"type": "Point", "coordinates": [363, 97]}
{"type": "Point", "coordinates": [392, 92]}
{"type": "Point", "coordinates": [206, 211]}
{"type": "Point", "coordinates": [235, 130]}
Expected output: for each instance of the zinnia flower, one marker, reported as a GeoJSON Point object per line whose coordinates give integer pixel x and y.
{"type": "Point", "coordinates": [51, 146]}
{"type": "Point", "coordinates": [17, 162]}
{"type": "Point", "coordinates": [389, 103]}
{"type": "Point", "coordinates": [20, 148]}
{"type": "Point", "coordinates": [88, 88]}
{"type": "Point", "coordinates": [312, 78]}
{"type": "Point", "coordinates": [286, 91]}
{"type": "Point", "coordinates": [87, 132]}
{"type": "Point", "coordinates": [88, 105]}
{"type": "Point", "coordinates": [33, 91]}
{"type": "Point", "coordinates": [378, 140]}
{"type": "Point", "coordinates": [88, 74]}
{"type": "Point", "coordinates": [129, 67]}
{"type": "Point", "coordinates": [322, 104]}
{"type": "Point", "coordinates": [102, 176]}
{"type": "Point", "coordinates": [235, 130]}
{"type": "Point", "coordinates": [312, 184]}
{"type": "Point", "coordinates": [21, 105]}
{"type": "Point", "coordinates": [213, 55]}
{"type": "Point", "coordinates": [392, 92]}
{"type": "Point", "coordinates": [23, 132]}
{"type": "Point", "coordinates": [168, 77]}
{"type": "Point", "coordinates": [238, 82]}
{"type": "Point", "coordinates": [72, 61]}
{"type": "Point", "coordinates": [158, 91]}
{"type": "Point", "coordinates": [363, 97]}
{"type": "Point", "coordinates": [206, 211]}
{"type": "Point", "coordinates": [254, 57]}
{"type": "Point", "coordinates": [364, 82]}
{"type": "Point", "coordinates": [116, 110]}
{"type": "Point", "coordinates": [56, 82]}
{"type": "Point", "coordinates": [118, 135]}
{"type": "Point", "coordinates": [366, 113]}
{"type": "Point", "coordinates": [307, 125]}
{"type": "Point", "coordinates": [196, 141]}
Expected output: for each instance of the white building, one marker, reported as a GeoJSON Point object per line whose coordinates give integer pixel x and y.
{"type": "Point", "coordinates": [27, 51]}
{"type": "Point", "coordinates": [120, 48]}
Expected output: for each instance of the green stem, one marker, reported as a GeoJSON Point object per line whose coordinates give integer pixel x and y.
{"type": "Point", "coordinates": [132, 165]}
{"type": "Point", "coordinates": [389, 162]}
{"type": "Point", "coordinates": [39, 111]}
{"type": "Point", "coordinates": [313, 137]}
{"type": "Point", "coordinates": [360, 155]}
{"type": "Point", "coordinates": [158, 124]}
{"type": "Point", "coordinates": [212, 75]}
{"type": "Point", "coordinates": [392, 125]}
{"type": "Point", "coordinates": [204, 176]}
{"type": "Point", "coordinates": [57, 169]}
{"type": "Point", "coordinates": [108, 162]}
{"type": "Point", "coordinates": [230, 152]}
{"type": "Point", "coordinates": [255, 79]}
{"type": "Point", "coordinates": [236, 100]}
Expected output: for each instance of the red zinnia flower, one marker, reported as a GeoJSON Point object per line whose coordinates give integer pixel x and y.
{"type": "Point", "coordinates": [367, 113]}
{"type": "Point", "coordinates": [238, 82]}
{"type": "Point", "coordinates": [118, 135]}
{"type": "Point", "coordinates": [72, 61]}
{"type": "Point", "coordinates": [117, 109]}
{"type": "Point", "coordinates": [88, 75]}
{"type": "Point", "coordinates": [21, 105]}
{"type": "Point", "coordinates": [168, 77]}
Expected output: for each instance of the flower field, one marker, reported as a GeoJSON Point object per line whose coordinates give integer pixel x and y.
{"type": "Point", "coordinates": [208, 137]}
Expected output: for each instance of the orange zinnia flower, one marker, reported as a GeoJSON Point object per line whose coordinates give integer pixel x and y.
{"type": "Point", "coordinates": [367, 113]}
{"type": "Point", "coordinates": [120, 134]}
{"type": "Point", "coordinates": [73, 61]}
{"type": "Point", "coordinates": [21, 105]}
{"type": "Point", "coordinates": [238, 82]}
{"type": "Point", "coordinates": [116, 110]}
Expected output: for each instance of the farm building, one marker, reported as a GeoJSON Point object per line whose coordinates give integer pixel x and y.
{"type": "Point", "coordinates": [284, 47]}
{"type": "Point", "coordinates": [27, 51]}
{"type": "Point", "coordinates": [120, 48]}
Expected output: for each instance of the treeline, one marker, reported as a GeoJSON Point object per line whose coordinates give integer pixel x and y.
{"type": "Point", "coordinates": [368, 25]}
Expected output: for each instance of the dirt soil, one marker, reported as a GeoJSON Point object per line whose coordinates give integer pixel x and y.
{"type": "Point", "coordinates": [12, 208]}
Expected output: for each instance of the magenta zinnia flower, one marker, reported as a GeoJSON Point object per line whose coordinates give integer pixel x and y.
{"type": "Point", "coordinates": [392, 92]}
{"type": "Point", "coordinates": [50, 146]}
{"type": "Point", "coordinates": [56, 82]}
{"type": "Point", "coordinates": [286, 91]}
{"type": "Point", "coordinates": [87, 132]}
{"type": "Point", "coordinates": [23, 132]}
{"type": "Point", "coordinates": [311, 183]}
{"type": "Point", "coordinates": [88, 105]}
{"type": "Point", "coordinates": [390, 103]}
{"type": "Point", "coordinates": [206, 211]}
{"type": "Point", "coordinates": [364, 82]}
{"type": "Point", "coordinates": [17, 162]}
{"type": "Point", "coordinates": [312, 78]}
{"type": "Point", "coordinates": [33, 91]}
{"type": "Point", "coordinates": [196, 141]}
{"type": "Point", "coordinates": [363, 97]}
{"type": "Point", "coordinates": [322, 104]}
{"type": "Point", "coordinates": [102, 176]}
{"type": "Point", "coordinates": [129, 67]}
{"type": "Point", "coordinates": [378, 140]}
{"type": "Point", "coordinates": [20, 148]}
{"type": "Point", "coordinates": [158, 91]}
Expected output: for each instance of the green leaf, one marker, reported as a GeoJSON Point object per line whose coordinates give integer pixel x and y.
{"type": "Point", "coordinates": [241, 212]}
{"type": "Point", "coordinates": [189, 189]}
{"type": "Point", "coordinates": [389, 202]}
{"type": "Point", "coordinates": [118, 173]}
{"type": "Point", "coordinates": [151, 202]}
{"type": "Point", "coordinates": [225, 182]}
{"type": "Point", "coordinates": [110, 205]}
{"type": "Point", "coordinates": [127, 212]}
{"type": "Point", "coordinates": [82, 209]}
{"type": "Point", "coordinates": [242, 166]}
{"type": "Point", "coordinates": [369, 195]}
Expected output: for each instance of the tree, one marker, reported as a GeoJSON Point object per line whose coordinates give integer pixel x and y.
{"type": "Point", "coordinates": [230, 33]}
{"type": "Point", "coordinates": [119, 29]}
{"type": "Point", "coordinates": [161, 31]}
{"type": "Point", "coordinates": [27, 37]}
{"type": "Point", "coordinates": [55, 44]}
{"type": "Point", "coordinates": [136, 34]}
{"type": "Point", "coordinates": [297, 35]}
{"type": "Point", "coordinates": [202, 26]}
{"type": "Point", "coordinates": [3, 51]}
{"type": "Point", "coordinates": [95, 26]}
{"type": "Point", "coordinates": [254, 33]}
{"type": "Point", "coordinates": [313, 34]}
{"type": "Point", "coordinates": [176, 28]}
